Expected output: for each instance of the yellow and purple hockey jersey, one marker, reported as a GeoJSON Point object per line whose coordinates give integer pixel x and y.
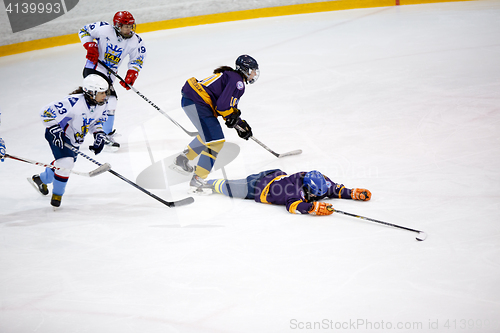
{"type": "Point", "coordinates": [278, 188]}
{"type": "Point", "coordinates": [221, 92]}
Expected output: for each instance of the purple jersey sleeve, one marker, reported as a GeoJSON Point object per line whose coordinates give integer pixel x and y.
{"type": "Point", "coordinates": [229, 92]}
{"type": "Point", "coordinates": [338, 191]}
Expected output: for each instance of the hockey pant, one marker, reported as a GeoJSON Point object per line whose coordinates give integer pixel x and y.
{"type": "Point", "coordinates": [64, 158]}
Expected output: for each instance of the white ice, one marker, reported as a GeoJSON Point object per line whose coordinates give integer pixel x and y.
{"type": "Point", "coordinates": [403, 101]}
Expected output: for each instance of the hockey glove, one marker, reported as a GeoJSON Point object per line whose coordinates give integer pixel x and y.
{"type": "Point", "coordinates": [57, 136]}
{"type": "Point", "coordinates": [233, 118]}
{"type": "Point", "coordinates": [2, 149]}
{"type": "Point", "coordinates": [129, 79]}
{"type": "Point", "coordinates": [246, 130]}
{"type": "Point", "coordinates": [98, 142]}
{"type": "Point", "coordinates": [321, 208]}
{"type": "Point", "coordinates": [92, 51]}
{"type": "Point", "coordinates": [360, 194]}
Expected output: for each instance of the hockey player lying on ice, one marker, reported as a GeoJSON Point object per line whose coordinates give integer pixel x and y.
{"type": "Point", "coordinates": [299, 192]}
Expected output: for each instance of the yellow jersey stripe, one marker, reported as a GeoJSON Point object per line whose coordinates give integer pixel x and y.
{"type": "Point", "coordinates": [209, 80]}
{"type": "Point", "coordinates": [225, 113]}
{"type": "Point", "coordinates": [293, 207]}
{"type": "Point", "coordinates": [199, 89]}
{"type": "Point", "coordinates": [265, 191]}
{"type": "Point", "coordinates": [340, 191]}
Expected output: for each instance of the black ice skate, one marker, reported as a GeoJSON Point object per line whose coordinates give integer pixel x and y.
{"type": "Point", "coordinates": [198, 185]}
{"type": "Point", "coordinates": [181, 164]}
{"type": "Point", "coordinates": [56, 200]}
{"type": "Point", "coordinates": [38, 185]}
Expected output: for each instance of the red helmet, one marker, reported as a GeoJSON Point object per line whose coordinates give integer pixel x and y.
{"type": "Point", "coordinates": [122, 18]}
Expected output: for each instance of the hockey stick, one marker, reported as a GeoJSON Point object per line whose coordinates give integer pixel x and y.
{"type": "Point", "coordinates": [421, 235]}
{"type": "Point", "coordinates": [147, 100]}
{"type": "Point", "coordinates": [293, 152]}
{"type": "Point", "coordinates": [182, 202]}
{"type": "Point", "coordinates": [101, 169]}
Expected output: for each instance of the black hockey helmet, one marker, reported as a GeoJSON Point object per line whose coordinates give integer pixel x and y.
{"type": "Point", "coordinates": [245, 64]}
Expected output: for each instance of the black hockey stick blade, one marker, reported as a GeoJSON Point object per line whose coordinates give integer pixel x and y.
{"type": "Point", "coordinates": [182, 202]}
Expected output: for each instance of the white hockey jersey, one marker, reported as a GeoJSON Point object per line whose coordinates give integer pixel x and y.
{"type": "Point", "coordinates": [113, 48]}
{"type": "Point", "coordinates": [75, 117]}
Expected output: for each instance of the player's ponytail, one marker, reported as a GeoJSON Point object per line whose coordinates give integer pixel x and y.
{"type": "Point", "coordinates": [77, 91]}
{"type": "Point", "coordinates": [222, 69]}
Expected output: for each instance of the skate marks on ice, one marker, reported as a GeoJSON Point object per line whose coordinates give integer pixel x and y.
{"type": "Point", "coordinates": [159, 175]}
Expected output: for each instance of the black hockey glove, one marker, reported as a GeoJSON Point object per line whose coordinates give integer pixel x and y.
{"type": "Point", "coordinates": [57, 136]}
{"type": "Point", "coordinates": [98, 142]}
{"type": "Point", "coordinates": [246, 131]}
{"type": "Point", "coordinates": [233, 118]}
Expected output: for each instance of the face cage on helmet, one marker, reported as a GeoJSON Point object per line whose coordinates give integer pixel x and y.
{"type": "Point", "coordinates": [256, 76]}
{"type": "Point", "coordinates": [118, 28]}
{"type": "Point", "coordinates": [308, 194]}
{"type": "Point", "coordinates": [92, 95]}
{"type": "Point", "coordinates": [247, 73]}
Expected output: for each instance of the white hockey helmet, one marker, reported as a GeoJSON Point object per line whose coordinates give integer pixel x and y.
{"type": "Point", "coordinates": [92, 84]}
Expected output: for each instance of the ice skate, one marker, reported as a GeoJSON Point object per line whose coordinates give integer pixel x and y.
{"type": "Point", "coordinates": [198, 185]}
{"type": "Point", "coordinates": [38, 184]}
{"type": "Point", "coordinates": [56, 201]}
{"type": "Point", "coordinates": [110, 141]}
{"type": "Point", "coordinates": [181, 164]}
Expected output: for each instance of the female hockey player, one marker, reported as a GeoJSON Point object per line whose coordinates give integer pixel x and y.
{"type": "Point", "coordinates": [299, 192]}
{"type": "Point", "coordinates": [203, 101]}
{"type": "Point", "coordinates": [111, 44]}
{"type": "Point", "coordinates": [68, 121]}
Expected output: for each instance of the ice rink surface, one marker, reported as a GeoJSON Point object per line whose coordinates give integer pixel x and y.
{"type": "Point", "coordinates": [404, 101]}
